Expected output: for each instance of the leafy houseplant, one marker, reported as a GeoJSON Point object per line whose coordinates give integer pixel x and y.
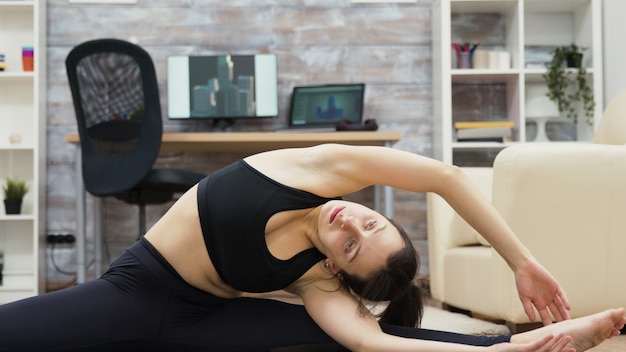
{"type": "Point", "coordinates": [14, 191]}
{"type": "Point", "coordinates": [559, 79]}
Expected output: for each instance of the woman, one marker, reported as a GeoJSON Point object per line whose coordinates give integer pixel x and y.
{"type": "Point", "coordinates": [274, 221]}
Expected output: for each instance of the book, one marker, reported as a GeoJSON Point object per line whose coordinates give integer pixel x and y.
{"type": "Point", "coordinates": [487, 139]}
{"type": "Point", "coordinates": [484, 132]}
{"type": "Point", "coordinates": [483, 124]}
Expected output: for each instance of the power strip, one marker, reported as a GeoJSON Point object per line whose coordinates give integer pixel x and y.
{"type": "Point", "coordinates": [61, 238]}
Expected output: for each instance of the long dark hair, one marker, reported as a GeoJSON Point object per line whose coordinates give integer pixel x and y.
{"type": "Point", "coordinates": [394, 283]}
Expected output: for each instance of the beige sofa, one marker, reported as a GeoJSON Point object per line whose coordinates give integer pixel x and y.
{"type": "Point", "coordinates": [565, 201]}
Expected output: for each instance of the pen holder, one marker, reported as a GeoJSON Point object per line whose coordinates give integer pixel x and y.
{"type": "Point", "coordinates": [464, 60]}
{"type": "Point", "coordinates": [28, 62]}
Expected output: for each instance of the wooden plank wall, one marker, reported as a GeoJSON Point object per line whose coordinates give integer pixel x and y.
{"type": "Point", "coordinates": [387, 46]}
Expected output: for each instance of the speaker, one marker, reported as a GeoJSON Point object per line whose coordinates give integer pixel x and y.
{"type": "Point", "coordinates": [367, 125]}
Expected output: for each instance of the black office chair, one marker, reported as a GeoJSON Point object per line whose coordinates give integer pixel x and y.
{"type": "Point", "coordinates": [118, 111]}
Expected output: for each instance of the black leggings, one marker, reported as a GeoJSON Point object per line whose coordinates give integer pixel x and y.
{"type": "Point", "coordinates": [142, 303]}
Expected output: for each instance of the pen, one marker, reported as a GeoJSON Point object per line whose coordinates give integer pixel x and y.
{"type": "Point", "coordinates": [457, 47]}
{"type": "Point", "coordinates": [476, 44]}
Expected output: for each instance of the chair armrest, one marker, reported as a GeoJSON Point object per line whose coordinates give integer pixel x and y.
{"type": "Point", "coordinates": [567, 204]}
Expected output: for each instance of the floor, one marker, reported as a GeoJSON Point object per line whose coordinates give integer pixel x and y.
{"type": "Point", "coordinates": [616, 344]}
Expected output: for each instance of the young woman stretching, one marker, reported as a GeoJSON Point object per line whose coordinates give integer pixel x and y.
{"type": "Point", "coordinates": [274, 221]}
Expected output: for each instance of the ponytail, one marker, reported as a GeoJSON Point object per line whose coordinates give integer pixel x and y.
{"type": "Point", "coordinates": [393, 283]}
{"type": "Point", "coordinates": [407, 310]}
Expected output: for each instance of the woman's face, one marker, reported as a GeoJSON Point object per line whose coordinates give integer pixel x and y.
{"type": "Point", "coordinates": [355, 238]}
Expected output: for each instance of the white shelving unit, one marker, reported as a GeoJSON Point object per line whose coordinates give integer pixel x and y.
{"type": "Point", "coordinates": [22, 145]}
{"type": "Point", "coordinates": [519, 28]}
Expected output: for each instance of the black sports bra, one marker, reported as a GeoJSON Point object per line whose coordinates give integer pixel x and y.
{"type": "Point", "coordinates": [235, 204]}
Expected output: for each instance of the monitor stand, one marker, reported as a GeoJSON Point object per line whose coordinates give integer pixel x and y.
{"type": "Point", "coordinates": [223, 125]}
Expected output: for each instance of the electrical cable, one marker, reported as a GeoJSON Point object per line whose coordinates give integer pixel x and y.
{"type": "Point", "coordinates": [56, 266]}
{"type": "Point", "coordinates": [61, 271]}
{"type": "Point", "coordinates": [105, 238]}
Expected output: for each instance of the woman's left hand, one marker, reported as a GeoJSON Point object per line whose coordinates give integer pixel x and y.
{"type": "Point", "coordinates": [548, 343]}
{"type": "Point", "coordinates": [536, 287]}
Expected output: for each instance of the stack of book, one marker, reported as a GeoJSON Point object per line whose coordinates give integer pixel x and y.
{"type": "Point", "coordinates": [484, 131]}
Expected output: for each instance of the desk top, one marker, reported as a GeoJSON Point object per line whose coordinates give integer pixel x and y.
{"type": "Point", "coordinates": [262, 141]}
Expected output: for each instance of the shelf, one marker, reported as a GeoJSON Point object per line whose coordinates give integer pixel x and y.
{"type": "Point", "coordinates": [472, 6]}
{"type": "Point", "coordinates": [481, 145]}
{"type": "Point", "coordinates": [14, 273]}
{"type": "Point", "coordinates": [16, 5]}
{"type": "Point", "coordinates": [20, 217]}
{"type": "Point", "coordinates": [16, 289]}
{"type": "Point", "coordinates": [22, 120]}
{"type": "Point", "coordinates": [483, 75]}
{"type": "Point", "coordinates": [535, 75]}
{"type": "Point", "coordinates": [17, 281]}
{"type": "Point", "coordinates": [527, 30]}
{"type": "Point", "coordinates": [485, 72]}
{"type": "Point", "coordinates": [8, 75]}
{"type": "Point", "coordinates": [554, 5]}
{"type": "Point", "coordinates": [8, 148]}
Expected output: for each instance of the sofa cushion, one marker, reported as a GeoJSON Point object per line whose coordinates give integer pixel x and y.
{"type": "Point", "coordinates": [469, 280]}
{"type": "Point", "coordinates": [461, 232]}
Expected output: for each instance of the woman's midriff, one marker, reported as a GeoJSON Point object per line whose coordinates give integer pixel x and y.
{"type": "Point", "coordinates": [178, 237]}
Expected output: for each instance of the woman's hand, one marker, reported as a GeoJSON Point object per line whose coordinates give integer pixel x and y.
{"type": "Point", "coordinates": [536, 287]}
{"type": "Point", "coordinates": [549, 343]}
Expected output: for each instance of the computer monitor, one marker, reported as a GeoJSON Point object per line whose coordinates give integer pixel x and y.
{"type": "Point", "coordinates": [326, 105]}
{"type": "Point", "coordinates": [222, 87]}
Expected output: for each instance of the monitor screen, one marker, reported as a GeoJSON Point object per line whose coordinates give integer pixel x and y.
{"type": "Point", "coordinates": [326, 105]}
{"type": "Point", "coordinates": [222, 86]}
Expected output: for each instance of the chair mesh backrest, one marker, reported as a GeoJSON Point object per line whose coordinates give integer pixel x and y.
{"type": "Point", "coordinates": [117, 107]}
{"type": "Point", "coordinates": [111, 93]}
{"type": "Point", "coordinates": [111, 87]}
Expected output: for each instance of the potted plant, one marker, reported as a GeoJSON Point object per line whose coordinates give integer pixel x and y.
{"type": "Point", "coordinates": [559, 81]}
{"type": "Point", "coordinates": [14, 191]}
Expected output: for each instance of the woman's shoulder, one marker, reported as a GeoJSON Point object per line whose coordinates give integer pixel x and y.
{"type": "Point", "coordinates": [316, 278]}
{"type": "Point", "coordinates": [328, 170]}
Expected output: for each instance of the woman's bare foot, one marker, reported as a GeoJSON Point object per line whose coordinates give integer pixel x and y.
{"type": "Point", "coordinates": [586, 332]}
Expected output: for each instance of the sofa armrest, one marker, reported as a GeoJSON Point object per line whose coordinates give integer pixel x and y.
{"type": "Point", "coordinates": [447, 230]}
{"type": "Point", "coordinates": [439, 215]}
{"type": "Point", "coordinates": [567, 203]}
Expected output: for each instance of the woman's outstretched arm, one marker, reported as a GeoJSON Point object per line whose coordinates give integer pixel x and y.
{"type": "Point", "coordinates": [337, 313]}
{"type": "Point", "coordinates": [376, 165]}
{"type": "Point", "coordinates": [335, 170]}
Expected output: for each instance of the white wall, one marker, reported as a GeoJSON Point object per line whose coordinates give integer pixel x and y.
{"type": "Point", "coordinates": [614, 27]}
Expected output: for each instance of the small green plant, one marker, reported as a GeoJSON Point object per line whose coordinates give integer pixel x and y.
{"type": "Point", "coordinates": [14, 188]}
{"type": "Point", "coordinates": [558, 79]}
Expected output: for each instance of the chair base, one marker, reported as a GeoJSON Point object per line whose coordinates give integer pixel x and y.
{"type": "Point", "coordinates": [143, 196]}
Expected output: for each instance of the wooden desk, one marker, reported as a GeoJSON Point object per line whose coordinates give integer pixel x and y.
{"type": "Point", "coordinates": [225, 142]}
{"type": "Point", "coordinates": [253, 142]}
